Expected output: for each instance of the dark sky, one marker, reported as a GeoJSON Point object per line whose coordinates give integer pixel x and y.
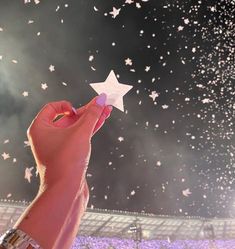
{"type": "Point", "coordinates": [148, 157]}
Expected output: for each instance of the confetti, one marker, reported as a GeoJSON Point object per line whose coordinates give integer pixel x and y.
{"type": "Point", "coordinates": [52, 68]}
{"type": "Point", "coordinates": [186, 192]}
{"type": "Point", "coordinates": [5, 155]}
{"type": "Point", "coordinates": [44, 86]}
{"type": "Point", "coordinates": [115, 12]}
{"type": "Point", "coordinates": [25, 94]}
{"type": "Point", "coordinates": [28, 174]}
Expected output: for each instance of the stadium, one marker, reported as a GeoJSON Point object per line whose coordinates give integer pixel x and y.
{"type": "Point", "coordinates": [136, 97]}
{"type": "Point", "coordinates": [105, 229]}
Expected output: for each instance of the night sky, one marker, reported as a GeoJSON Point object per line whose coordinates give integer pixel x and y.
{"type": "Point", "coordinates": [172, 151]}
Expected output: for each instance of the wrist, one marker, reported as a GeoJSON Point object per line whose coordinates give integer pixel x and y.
{"type": "Point", "coordinates": [48, 212]}
{"type": "Point", "coordinates": [72, 180]}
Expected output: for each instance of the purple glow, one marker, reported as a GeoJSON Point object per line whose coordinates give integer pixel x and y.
{"type": "Point", "coordinates": [115, 243]}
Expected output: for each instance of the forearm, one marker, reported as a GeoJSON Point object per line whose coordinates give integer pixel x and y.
{"type": "Point", "coordinates": [71, 226]}
{"type": "Point", "coordinates": [46, 215]}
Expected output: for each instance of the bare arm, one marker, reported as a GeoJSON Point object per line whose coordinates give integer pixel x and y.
{"type": "Point", "coordinates": [47, 214]}
{"type": "Point", "coordinates": [70, 228]}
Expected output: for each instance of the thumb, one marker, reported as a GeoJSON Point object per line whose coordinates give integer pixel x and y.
{"type": "Point", "coordinates": [92, 114]}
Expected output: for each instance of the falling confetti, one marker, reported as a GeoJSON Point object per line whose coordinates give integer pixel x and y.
{"type": "Point", "coordinates": [5, 155]}
{"type": "Point", "coordinates": [186, 192]}
{"type": "Point", "coordinates": [52, 68]}
{"type": "Point", "coordinates": [25, 94]}
{"type": "Point", "coordinates": [28, 174]}
{"type": "Point", "coordinates": [115, 12]}
{"type": "Point", "coordinates": [44, 86]}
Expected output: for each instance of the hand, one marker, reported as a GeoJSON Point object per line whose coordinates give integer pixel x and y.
{"type": "Point", "coordinates": [62, 149]}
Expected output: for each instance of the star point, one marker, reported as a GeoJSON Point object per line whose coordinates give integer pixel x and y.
{"type": "Point", "coordinates": [113, 89]}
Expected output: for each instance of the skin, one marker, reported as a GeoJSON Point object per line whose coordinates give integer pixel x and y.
{"type": "Point", "coordinates": [62, 151]}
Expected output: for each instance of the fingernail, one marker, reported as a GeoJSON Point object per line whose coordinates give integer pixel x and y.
{"type": "Point", "coordinates": [110, 108]}
{"type": "Point", "coordinates": [101, 99]}
{"type": "Point", "coordinates": [74, 111]}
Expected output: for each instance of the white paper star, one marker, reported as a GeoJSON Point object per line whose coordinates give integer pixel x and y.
{"type": "Point", "coordinates": [128, 61]}
{"type": "Point", "coordinates": [121, 139]}
{"type": "Point", "coordinates": [5, 155]}
{"type": "Point", "coordinates": [28, 174]}
{"type": "Point", "coordinates": [154, 95]}
{"type": "Point", "coordinates": [165, 106]}
{"type": "Point", "coordinates": [180, 28]}
{"type": "Point", "coordinates": [25, 94]}
{"type": "Point", "coordinates": [114, 90]}
{"type": "Point", "coordinates": [186, 192]}
{"type": "Point", "coordinates": [129, 1]}
{"type": "Point", "coordinates": [115, 12]}
{"type": "Point", "coordinates": [52, 68]}
{"type": "Point", "coordinates": [147, 68]}
{"type": "Point", "coordinates": [44, 86]}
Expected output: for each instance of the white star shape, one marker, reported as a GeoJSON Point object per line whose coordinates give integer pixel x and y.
{"type": "Point", "coordinates": [114, 90]}
{"type": "Point", "coordinates": [186, 192]}
{"type": "Point", "coordinates": [115, 12]}
{"type": "Point", "coordinates": [165, 106]}
{"type": "Point", "coordinates": [121, 139]}
{"type": "Point", "coordinates": [147, 68]}
{"type": "Point", "coordinates": [52, 68]}
{"type": "Point", "coordinates": [44, 86]}
{"type": "Point", "coordinates": [129, 1]}
{"type": "Point", "coordinates": [28, 174]}
{"type": "Point", "coordinates": [128, 61]}
{"type": "Point", "coordinates": [154, 95]}
{"type": "Point", "coordinates": [25, 94]}
{"type": "Point", "coordinates": [180, 28]}
{"type": "Point", "coordinates": [5, 155]}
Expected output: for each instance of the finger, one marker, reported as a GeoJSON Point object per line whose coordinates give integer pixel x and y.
{"type": "Point", "coordinates": [105, 115]}
{"type": "Point", "coordinates": [51, 110]}
{"type": "Point", "coordinates": [90, 117]}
